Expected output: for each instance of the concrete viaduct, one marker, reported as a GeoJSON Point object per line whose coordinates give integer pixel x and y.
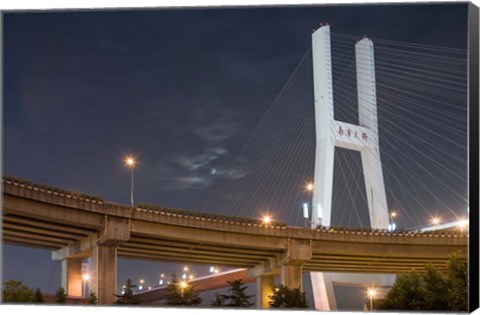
{"type": "Point", "coordinates": [76, 226]}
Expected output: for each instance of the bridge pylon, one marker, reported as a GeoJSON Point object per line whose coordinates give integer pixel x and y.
{"type": "Point", "coordinates": [331, 133]}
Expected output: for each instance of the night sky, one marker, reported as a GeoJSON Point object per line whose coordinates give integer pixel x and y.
{"type": "Point", "coordinates": [181, 90]}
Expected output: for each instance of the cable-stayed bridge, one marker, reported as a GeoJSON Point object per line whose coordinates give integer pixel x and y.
{"type": "Point", "coordinates": [421, 113]}
{"type": "Point", "coordinates": [422, 122]}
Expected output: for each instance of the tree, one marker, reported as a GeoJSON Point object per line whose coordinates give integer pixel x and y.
{"type": "Point", "coordinates": [435, 290]}
{"type": "Point", "coordinates": [92, 298]}
{"type": "Point", "coordinates": [15, 292]}
{"type": "Point", "coordinates": [181, 293]}
{"type": "Point", "coordinates": [127, 297]}
{"type": "Point", "coordinates": [38, 296]}
{"type": "Point", "coordinates": [237, 298]}
{"type": "Point", "coordinates": [431, 291]}
{"type": "Point", "coordinates": [60, 296]}
{"type": "Point", "coordinates": [284, 297]}
{"type": "Point", "coordinates": [458, 284]}
{"type": "Point", "coordinates": [219, 300]}
{"type": "Point", "coordinates": [406, 293]}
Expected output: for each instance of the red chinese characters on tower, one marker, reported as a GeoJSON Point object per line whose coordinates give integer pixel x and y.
{"type": "Point", "coordinates": [364, 136]}
{"type": "Point", "coordinates": [340, 131]}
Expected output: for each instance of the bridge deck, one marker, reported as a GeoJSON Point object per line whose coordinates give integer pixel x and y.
{"type": "Point", "coordinates": [37, 216]}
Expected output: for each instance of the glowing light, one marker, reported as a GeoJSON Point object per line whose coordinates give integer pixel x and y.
{"type": "Point", "coordinates": [140, 287]}
{"type": "Point", "coordinates": [141, 281]}
{"type": "Point", "coordinates": [184, 276]}
{"type": "Point", "coordinates": [309, 187]}
{"type": "Point", "coordinates": [183, 284]}
{"type": "Point", "coordinates": [435, 221]}
{"type": "Point", "coordinates": [462, 224]}
{"type": "Point", "coordinates": [160, 282]}
{"type": "Point", "coordinates": [371, 292]}
{"type": "Point", "coordinates": [162, 275]}
{"type": "Point", "coordinates": [190, 277]}
{"type": "Point", "coordinates": [185, 268]}
{"type": "Point", "coordinates": [212, 269]}
{"type": "Point", "coordinates": [85, 277]}
{"type": "Point", "coordinates": [266, 219]}
{"type": "Point", "coordinates": [149, 288]}
{"type": "Point", "coordinates": [130, 161]}
{"type": "Point", "coordinates": [393, 214]}
{"type": "Point", "coordinates": [217, 270]}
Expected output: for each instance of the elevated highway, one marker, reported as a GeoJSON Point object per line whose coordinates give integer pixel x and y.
{"type": "Point", "coordinates": [76, 226]}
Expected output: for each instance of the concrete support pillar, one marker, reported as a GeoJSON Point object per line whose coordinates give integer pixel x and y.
{"type": "Point", "coordinates": [104, 273]}
{"type": "Point", "coordinates": [72, 276]}
{"type": "Point", "coordinates": [265, 286]}
{"type": "Point", "coordinates": [291, 276]}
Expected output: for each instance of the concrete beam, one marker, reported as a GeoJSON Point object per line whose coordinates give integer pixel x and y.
{"type": "Point", "coordinates": [19, 221]}
{"type": "Point", "coordinates": [78, 249]}
{"type": "Point", "coordinates": [27, 237]}
{"type": "Point", "coordinates": [185, 256]}
{"type": "Point", "coordinates": [169, 247]}
{"type": "Point", "coordinates": [192, 245]}
{"type": "Point", "coordinates": [179, 233]}
{"type": "Point", "coordinates": [298, 252]}
{"type": "Point", "coordinates": [114, 232]}
{"type": "Point", "coordinates": [39, 231]}
{"type": "Point", "coordinates": [392, 250]}
{"type": "Point", "coordinates": [51, 212]}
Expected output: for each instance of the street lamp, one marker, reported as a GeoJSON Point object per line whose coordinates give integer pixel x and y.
{"type": "Point", "coordinates": [130, 163]}
{"type": "Point", "coordinates": [371, 292]}
{"type": "Point", "coordinates": [266, 219]}
{"type": "Point", "coordinates": [435, 221]}
{"type": "Point", "coordinates": [462, 224]}
{"type": "Point", "coordinates": [183, 285]}
{"type": "Point", "coordinates": [85, 278]}
{"type": "Point", "coordinates": [309, 187]}
{"type": "Point", "coordinates": [392, 226]}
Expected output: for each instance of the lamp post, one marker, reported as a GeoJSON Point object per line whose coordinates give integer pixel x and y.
{"type": "Point", "coordinates": [392, 226]}
{"type": "Point", "coordinates": [435, 222]}
{"type": "Point", "coordinates": [183, 285]}
{"type": "Point", "coordinates": [85, 278]}
{"type": "Point", "coordinates": [371, 294]}
{"type": "Point", "coordinates": [130, 162]}
{"type": "Point", "coordinates": [309, 189]}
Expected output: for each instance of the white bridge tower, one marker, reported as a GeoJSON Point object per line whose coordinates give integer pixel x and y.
{"type": "Point", "coordinates": [331, 133]}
